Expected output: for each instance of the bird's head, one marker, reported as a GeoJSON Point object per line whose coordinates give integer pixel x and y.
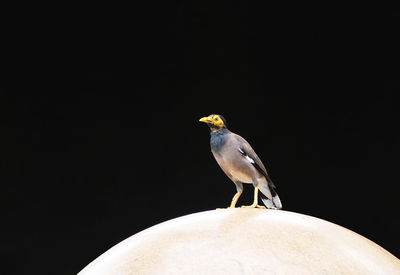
{"type": "Point", "coordinates": [215, 122]}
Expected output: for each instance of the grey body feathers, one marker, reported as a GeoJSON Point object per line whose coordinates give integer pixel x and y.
{"type": "Point", "coordinates": [242, 165]}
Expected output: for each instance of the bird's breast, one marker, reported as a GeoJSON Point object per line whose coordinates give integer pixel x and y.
{"type": "Point", "coordinates": [233, 166]}
{"type": "Point", "coordinates": [218, 140]}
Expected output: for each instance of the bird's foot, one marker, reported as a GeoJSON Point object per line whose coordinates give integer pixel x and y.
{"type": "Point", "coordinates": [254, 206]}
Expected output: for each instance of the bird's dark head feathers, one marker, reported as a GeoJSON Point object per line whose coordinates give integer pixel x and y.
{"type": "Point", "coordinates": [215, 122]}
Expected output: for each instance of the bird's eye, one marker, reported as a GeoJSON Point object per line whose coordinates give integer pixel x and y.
{"type": "Point", "coordinates": [216, 119]}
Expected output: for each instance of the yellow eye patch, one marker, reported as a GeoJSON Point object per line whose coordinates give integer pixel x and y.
{"type": "Point", "coordinates": [217, 121]}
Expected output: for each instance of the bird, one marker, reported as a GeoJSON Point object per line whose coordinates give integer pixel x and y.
{"type": "Point", "coordinates": [240, 163]}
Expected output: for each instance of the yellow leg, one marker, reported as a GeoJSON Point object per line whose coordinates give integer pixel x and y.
{"type": "Point", "coordinates": [255, 202]}
{"type": "Point", "coordinates": [235, 199]}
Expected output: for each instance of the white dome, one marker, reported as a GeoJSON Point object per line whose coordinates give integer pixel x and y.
{"type": "Point", "coordinates": [245, 241]}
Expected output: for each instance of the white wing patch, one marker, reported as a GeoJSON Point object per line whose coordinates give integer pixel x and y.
{"type": "Point", "coordinates": [249, 159]}
{"type": "Point", "coordinates": [246, 156]}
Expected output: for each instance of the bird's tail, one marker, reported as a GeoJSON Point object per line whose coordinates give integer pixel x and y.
{"type": "Point", "coordinates": [268, 195]}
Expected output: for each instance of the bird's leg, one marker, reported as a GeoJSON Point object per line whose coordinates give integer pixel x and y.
{"type": "Point", "coordinates": [255, 202]}
{"type": "Point", "coordinates": [235, 199]}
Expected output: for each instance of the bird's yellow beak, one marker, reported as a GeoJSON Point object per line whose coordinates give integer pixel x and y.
{"type": "Point", "coordinates": [206, 119]}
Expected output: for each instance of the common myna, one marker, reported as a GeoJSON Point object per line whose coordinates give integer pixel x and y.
{"type": "Point", "coordinates": [240, 163]}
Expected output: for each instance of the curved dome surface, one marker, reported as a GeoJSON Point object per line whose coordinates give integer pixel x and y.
{"type": "Point", "coordinates": [245, 241]}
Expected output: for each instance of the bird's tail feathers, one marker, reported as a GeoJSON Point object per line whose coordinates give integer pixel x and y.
{"type": "Point", "coordinates": [268, 195]}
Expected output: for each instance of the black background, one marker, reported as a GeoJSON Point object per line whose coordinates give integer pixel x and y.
{"type": "Point", "coordinates": [100, 110]}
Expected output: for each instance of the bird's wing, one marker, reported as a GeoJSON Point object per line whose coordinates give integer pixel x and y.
{"type": "Point", "coordinates": [246, 151]}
